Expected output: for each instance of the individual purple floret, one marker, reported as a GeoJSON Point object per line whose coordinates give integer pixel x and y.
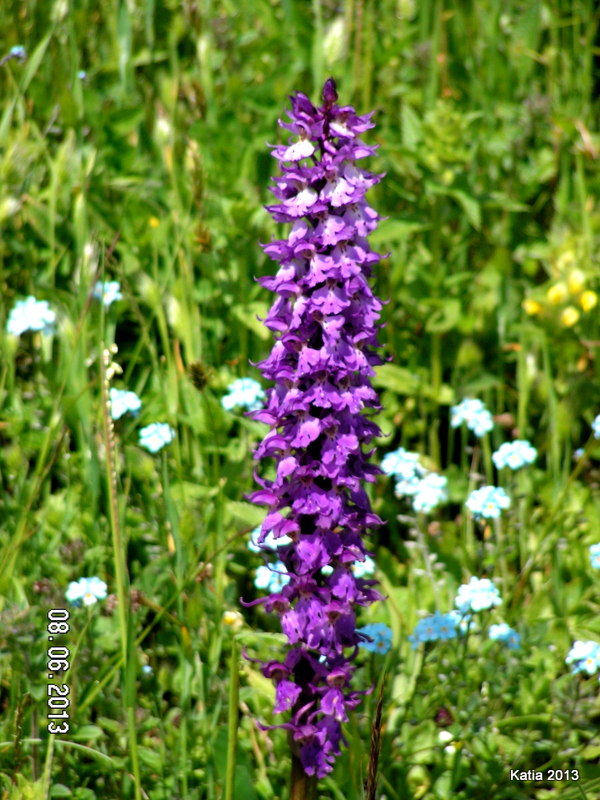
{"type": "Point", "coordinates": [324, 320]}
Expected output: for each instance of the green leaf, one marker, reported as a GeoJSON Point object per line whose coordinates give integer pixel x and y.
{"type": "Point", "coordinates": [397, 379]}
{"type": "Point", "coordinates": [501, 200]}
{"type": "Point", "coordinates": [445, 317]}
{"type": "Point", "coordinates": [396, 230]}
{"type": "Point", "coordinates": [60, 790]}
{"type": "Point", "coordinates": [468, 203]}
{"type": "Point", "coordinates": [247, 313]}
{"type": "Point", "coordinates": [243, 784]}
{"type": "Point", "coordinates": [151, 758]}
{"type": "Point", "coordinates": [125, 120]}
{"type": "Point", "coordinates": [412, 130]}
{"type": "Point", "coordinates": [246, 513]}
{"type": "Point", "coordinates": [470, 206]}
{"type": "Point", "coordinates": [34, 61]}
{"type": "Point", "coordinates": [87, 733]}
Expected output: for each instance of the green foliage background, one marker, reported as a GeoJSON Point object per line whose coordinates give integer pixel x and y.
{"type": "Point", "coordinates": [133, 146]}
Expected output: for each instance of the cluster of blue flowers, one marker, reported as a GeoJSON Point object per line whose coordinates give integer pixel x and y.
{"type": "Point", "coordinates": [30, 315]}
{"type": "Point", "coordinates": [426, 489]}
{"type": "Point", "coordinates": [36, 315]}
{"type": "Point", "coordinates": [596, 427]}
{"type": "Point", "coordinates": [245, 393]}
{"type": "Point", "coordinates": [478, 594]}
{"type": "Point", "coordinates": [595, 555]}
{"type": "Point", "coordinates": [505, 634]}
{"type": "Point", "coordinates": [122, 401]}
{"type": "Point", "coordinates": [487, 502]}
{"type": "Point", "coordinates": [514, 455]}
{"type": "Point", "coordinates": [435, 627]}
{"type": "Point", "coordinates": [108, 292]}
{"type": "Point", "coordinates": [381, 637]}
{"type": "Point", "coordinates": [156, 435]}
{"type": "Point", "coordinates": [584, 656]}
{"type": "Point", "coordinates": [474, 413]}
{"type": "Point", "coordinates": [86, 590]}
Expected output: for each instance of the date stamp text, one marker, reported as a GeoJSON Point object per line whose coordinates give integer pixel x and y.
{"type": "Point", "coordinates": [58, 662]}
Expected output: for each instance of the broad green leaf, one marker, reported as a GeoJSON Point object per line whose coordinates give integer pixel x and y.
{"type": "Point", "coordinates": [412, 129]}
{"type": "Point", "coordinates": [398, 379]}
{"type": "Point", "coordinates": [34, 61]}
{"type": "Point", "coordinates": [445, 317]}
{"type": "Point", "coordinates": [245, 513]}
{"type": "Point", "coordinates": [87, 733]}
{"type": "Point", "coordinates": [151, 758]}
{"type": "Point", "coordinates": [468, 203]}
{"type": "Point", "coordinates": [247, 314]}
{"type": "Point", "coordinates": [395, 230]}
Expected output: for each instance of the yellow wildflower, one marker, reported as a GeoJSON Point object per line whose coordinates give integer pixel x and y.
{"type": "Point", "coordinates": [565, 260]}
{"type": "Point", "coordinates": [154, 222]}
{"type": "Point", "coordinates": [569, 317]}
{"type": "Point", "coordinates": [557, 294]}
{"type": "Point", "coordinates": [532, 307]}
{"type": "Point", "coordinates": [576, 281]}
{"type": "Point", "coordinates": [233, 619]}
{"type": "Point", "coordinates": [588, 300]}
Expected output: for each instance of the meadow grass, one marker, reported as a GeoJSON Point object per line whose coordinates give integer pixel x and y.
{"type": "Point", "coordinates": [133, 148]}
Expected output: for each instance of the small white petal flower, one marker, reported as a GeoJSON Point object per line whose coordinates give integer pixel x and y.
{"type": "Point", "coordinates": [156, 435]}
{"type": "Point", "coordinates": [30, 315]}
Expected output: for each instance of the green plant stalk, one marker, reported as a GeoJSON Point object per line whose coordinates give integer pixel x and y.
{"type": "Point", "coordinates": [523, 516]}
{"type": "Point", "coordinates": [358, 31]}
{"type": "Point", "coordinates": [436, 382]}
{"type": "Point", "coordinates": [424, 550]}
{"type": "Point", "coordinates": [317, 44]}
{"type": "Point", "coordinates": [554, 451]}
{"type": "Point", "coordinates": [119, 564]}
{"type": "Point", "coordinates": [487, 458]}
{"type": "Point", "coordinates": [47, 774]}
{"type": "Point", "coordinates": [161, 611]}
{"type": "Point", "coordinates": [501, 549]}
{"type": "Point", "coordinates": [434, 65]}
{"type": "Point", "coordinates": [523, 385]}
{"type": "Point", "coordinates": [41, 467]}
{"type": "Point", "coordinates": [469, 539]}
{"type": "Point", "coordinates": [302, 786]}
{"type": "Point", "coordinates": [179, 572]}
{"type": "Point", "coordinates": [367, 70]}
{"type": "Point", "coordinates": [233, 719]}
{"type": "Point", "coordinates": [585, 217]}
{"type": "Point", "coordinates": [552, 532]}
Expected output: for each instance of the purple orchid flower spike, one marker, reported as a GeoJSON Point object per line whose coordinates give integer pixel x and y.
{"type": "Point", "coordinates": [324, 320]}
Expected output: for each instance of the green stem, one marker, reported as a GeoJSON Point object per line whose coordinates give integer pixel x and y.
{"type": "Point", "coordinates": [121, 577]}
{"type": "Point", "coordinates": [233, 721]}
{"type": "Point", "coordinates": [303, 786]}
{"type": "Point", "coordinates": [436, 383]}
{"type": "Point", "coordinates": [501, 551]}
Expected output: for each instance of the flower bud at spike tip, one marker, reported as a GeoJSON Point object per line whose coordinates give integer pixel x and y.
{"type": "Point", "coordinates": [325, 324]}
{"type": "Point", "coordinates": [330, 94]}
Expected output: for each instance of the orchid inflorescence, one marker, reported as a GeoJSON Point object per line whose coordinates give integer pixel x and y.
{"type": "Point", "coordinates": [325, 325]}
